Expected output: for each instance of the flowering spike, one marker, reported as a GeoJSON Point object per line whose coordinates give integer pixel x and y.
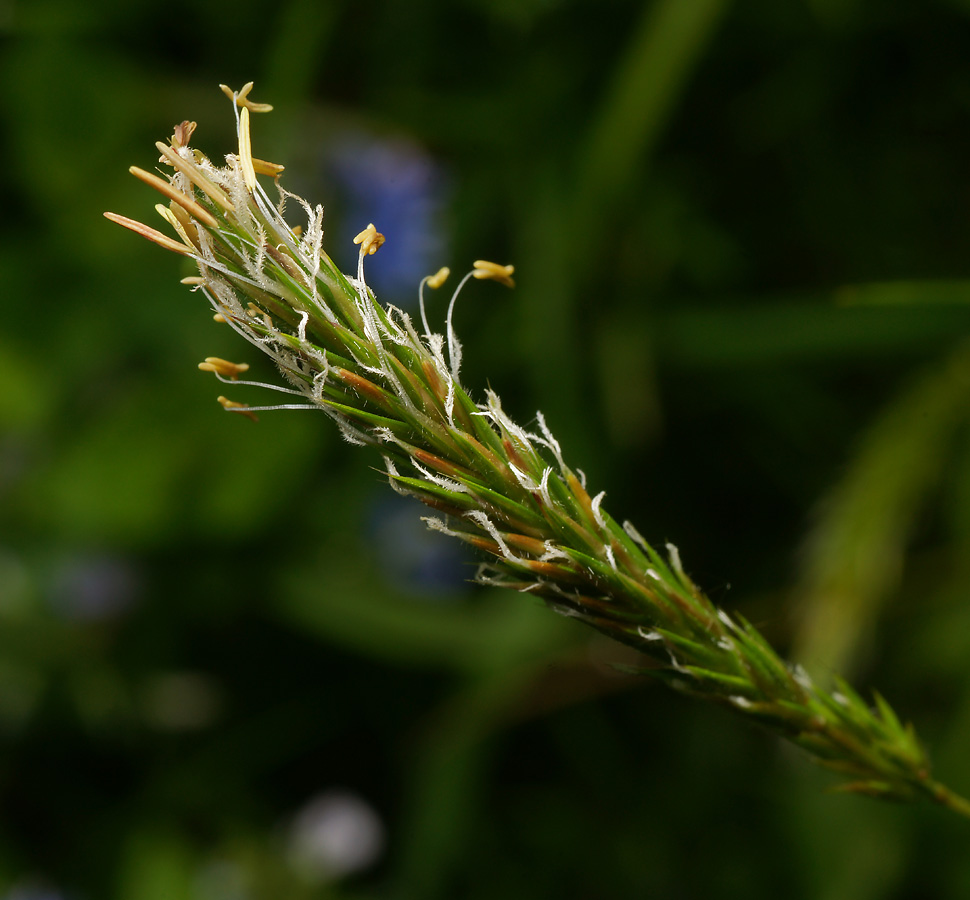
{"type": "Point", "coordinates": [506, 491]}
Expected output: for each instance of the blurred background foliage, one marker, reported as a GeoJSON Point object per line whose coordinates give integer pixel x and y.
{"type": "Point", "coordinates": [232, 664]}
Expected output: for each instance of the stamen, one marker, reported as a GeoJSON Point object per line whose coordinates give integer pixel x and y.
{"type": "Point", "coordinates": [276, 388]}
{"type": "Point", "coordinates": [434, 282]}
{"type": "Point", "coordinates": [150, 233]}
{"type": "Point", "coordinates": [240, 98]}
{"type": "Point", "coordinates": [370, 240]}
{"type": "Point", "coordinates": [246, 150]}
{"type": "Point", "coordinates": [167, 215]}
{"type": "Point", "coordinates": [223, 367]}
{"type": "Point", "coordinates": [183, 134]}
{"type": "Point", "coordinates": [184, 218]}
{"type": "Point", "coordinates": [258, 313]}
{"type": "Point", "coordinates": [280, 406]}
{"type": "Point", "coordinates": [181, 223]}
{"type": "Point", "coordinates": [194, 174]}
{"type": "Point", "coordinates": [262, 167]}
{"type": "Point", "coordinates": [187, 203]}
{"type": "Point", "coordinates": [454, 346]}
{"type": "Point", "coordinates": [232, 406]}
{"type": "Point", "coordinates": [439, 278]}
{"type": "Point", "coordinates": [495, 272]}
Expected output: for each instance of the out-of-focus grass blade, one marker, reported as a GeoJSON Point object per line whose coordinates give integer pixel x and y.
{"type": "Point", "coordinates": [905, 293]}
{"type": "Point", "coordinates": [804, 330]}
{"type": "Point", "coordinates": [660, 56]}
{"type": "Point", "coordinates": [855, 552]}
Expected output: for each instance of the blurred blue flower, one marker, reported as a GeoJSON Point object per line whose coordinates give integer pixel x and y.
{"type": "Point", "coordinates": [34, 890]}
{"type": "Point", "coordinates": [399, 187]}
{"type": "Point", "coordinates": [413, 558]}
{"type": "Point", "coordinates": [93, 586]}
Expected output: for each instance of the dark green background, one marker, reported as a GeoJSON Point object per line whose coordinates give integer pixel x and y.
{"type": "Point", "coordinates": [741, 234]}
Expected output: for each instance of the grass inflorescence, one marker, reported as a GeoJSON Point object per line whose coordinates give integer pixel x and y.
{"type": "Point", "coordinates": [394, 384]}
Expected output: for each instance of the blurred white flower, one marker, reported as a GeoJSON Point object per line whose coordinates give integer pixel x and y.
{"type": "Point", "coordinates": [335, 834]}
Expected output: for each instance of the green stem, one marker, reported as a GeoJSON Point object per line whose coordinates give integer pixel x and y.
{"type": "Point", "coordinates": [951, 800]}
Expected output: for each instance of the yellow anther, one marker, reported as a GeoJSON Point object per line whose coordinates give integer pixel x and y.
{"type": "Point", "coordinates": [193, 280]}
{"type": "Point", "coordinates": [370, 240]}
{"type": "Point", "coordinates": [439, 278]}
{"type": "Point", "coordinates": [262, 167]}
{"type": "Point", "coordinates": [183, 134]}
{"type": "Point", "coordinates": [173, 193]}
{"type": "Point", "coordinates": [246, 150]}
{"type": "Point", "coordinates": [485, 269]}
{"type": "Point", "coordinates": [223, 367]}
{"type": "Point", "coordinates": [194, 174]}
{"type": "Point", "coordinates": [232, 406]}
{"type": "Point", "coordinates": [147, 232]}
{"type": "Point", "coordinates": [167, 215]}
{"type": "Point", "coordinates": [185, 226]}
{"type": "Point", "coordinates": [258, 313]}
{"type": "Point", "coordinates": [242, 96]}
{"type": "Point", "coordinates": [284, 260]}
{"type": "Point", "coordinates": [180, 220]}
{"type": "Point", "coordinates": [220, 318]}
